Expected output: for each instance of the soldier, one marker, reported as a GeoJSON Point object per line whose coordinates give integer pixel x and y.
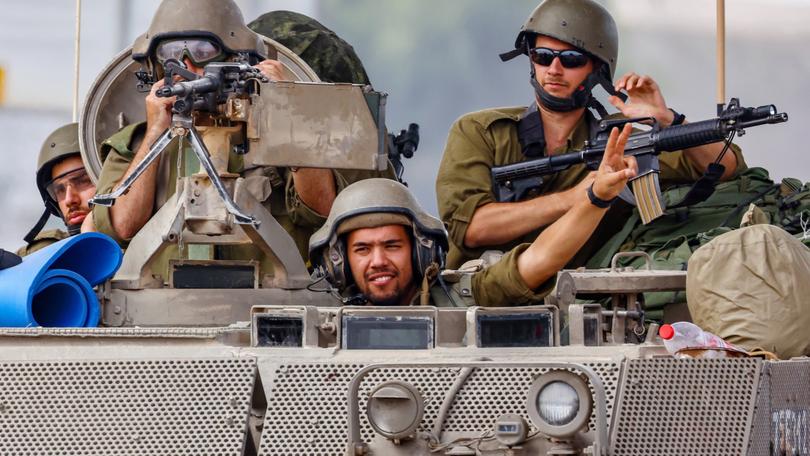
{"type": "Point", "coordinates": [378, 244]}
{"type": "Point", "coordinates": [300, 198]}
{"type": "Point", "coordinates": [331, 57]}
{"type": "Point", "coordinates": [65, 188]}
{"type": "Point", "coordinates": [572, 46]}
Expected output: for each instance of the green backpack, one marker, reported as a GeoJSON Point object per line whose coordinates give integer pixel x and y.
{"type": "Point", "coordinates": [671, 239]}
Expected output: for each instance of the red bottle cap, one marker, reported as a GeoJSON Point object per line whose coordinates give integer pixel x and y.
{"type": "Point", "coordinates": [666, 332]}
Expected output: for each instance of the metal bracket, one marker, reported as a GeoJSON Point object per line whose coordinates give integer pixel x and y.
{"type": "Point", "coordinates": [182, 126]}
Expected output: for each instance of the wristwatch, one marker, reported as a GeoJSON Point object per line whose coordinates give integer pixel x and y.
{"type": "Point", "coordinates": [599, 202]}
{"type": "Point", "coordinates": [677, 119]}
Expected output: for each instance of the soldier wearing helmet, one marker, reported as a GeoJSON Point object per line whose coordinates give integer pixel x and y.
{"type": "Point", "coordinates": [331, 57]}
{"type": "Point", "coordinates": [65, 188]}
{"type": "Point", "coordinates": [197, 32]}
{"type": "Point", "coordinates": [571, 46]}
{"type": "Point", "coordinates": [378, 245]}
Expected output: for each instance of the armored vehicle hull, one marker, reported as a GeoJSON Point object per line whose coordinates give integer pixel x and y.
{"type": "Point", "coordinates": [214, 390]}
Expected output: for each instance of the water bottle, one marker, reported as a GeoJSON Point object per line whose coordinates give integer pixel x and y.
{"type": "Point", "coordinates": [688, 335]}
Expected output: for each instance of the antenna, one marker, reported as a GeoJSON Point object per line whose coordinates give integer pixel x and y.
{"type": "Point", "coordinates": [721, 55]}
{"type": "Point", "coordinates": [77, 47]}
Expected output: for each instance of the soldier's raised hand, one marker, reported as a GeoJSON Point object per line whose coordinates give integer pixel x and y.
{"type": "Point", "coordinates": [616, 168]}
{"type": "Point", "coordinates": [158, 111]}
{"type": "Point", "coordinates": [273, 69]}
{"type": "Point", "coordinates": [645, 99]}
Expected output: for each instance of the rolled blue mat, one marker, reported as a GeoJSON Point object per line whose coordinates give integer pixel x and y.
{"type": "Point", "coordinates": [53, 286]}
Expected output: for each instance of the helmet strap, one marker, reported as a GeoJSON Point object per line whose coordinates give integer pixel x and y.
{"type": "Point", "coordinates": [32, 235]}
{"type": "Point", "coordinates": [431, 272]}
{"type": "Point", "coordinates": [582, 97]}
{"type": "Point", "coordinates": [74, 229]}
{"type": "Point", "coordinates": [578, 100]}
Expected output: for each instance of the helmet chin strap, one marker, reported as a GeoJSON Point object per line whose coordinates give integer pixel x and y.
{"type": "Point", "coordinates": [74, 229]}
{"type": "Point", "coordinates": [581, 98]}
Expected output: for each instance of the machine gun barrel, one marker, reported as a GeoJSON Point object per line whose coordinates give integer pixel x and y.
{"type": "Point", "coordinates": [513, 182]}
{"type": "Point", "coordinates": [205, 84]}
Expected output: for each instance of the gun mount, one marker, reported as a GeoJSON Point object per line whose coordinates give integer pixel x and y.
{"type": "Point", "coordinates": [232, 113]}
{"type": "Point", "coordinates": [402, 145]}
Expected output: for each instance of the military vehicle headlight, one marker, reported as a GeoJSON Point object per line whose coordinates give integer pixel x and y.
{"type": "Point", "coordinates": [395, 409]}
{"type": "Point", "coordinates": [559, 403]}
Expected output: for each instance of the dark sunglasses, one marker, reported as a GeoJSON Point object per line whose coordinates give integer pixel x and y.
{"type": "Point", "coordinates": [568, 58]}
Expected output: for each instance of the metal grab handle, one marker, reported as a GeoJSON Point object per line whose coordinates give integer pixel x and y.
{"type": "Point", "coordinates": [181, 126]}
{"type": "Point", "coordinates": [157, 148]}
{"type": "Point", "coordinates": [638, 254]}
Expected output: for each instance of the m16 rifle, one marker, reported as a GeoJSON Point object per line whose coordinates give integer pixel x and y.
{"type": "Point", "coordinates": [515, 182]}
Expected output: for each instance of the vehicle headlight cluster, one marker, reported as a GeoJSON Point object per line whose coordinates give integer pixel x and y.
{"type": "Point", "coordinates": [559, 403]}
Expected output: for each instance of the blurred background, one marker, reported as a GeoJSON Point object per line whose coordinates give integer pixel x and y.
{"type": "Point", "coordinates": [436, 59]}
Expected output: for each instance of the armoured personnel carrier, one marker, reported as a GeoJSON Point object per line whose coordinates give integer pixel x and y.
{"type": "Point", "coordinates": [279, 367]}
{"type": "Point", "coordinates": [230, 372]}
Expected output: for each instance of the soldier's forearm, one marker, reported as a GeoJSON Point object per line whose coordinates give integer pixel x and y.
{"type": "Point", "coordinates": [558, 243]}
{"type": "Point", "coordinates": [499, 223]}
{"type": "Point", "coordinates": [701, 156]}
{"type": "Point", "coordinates": [316, 188]}
{"type": "Point", "coordinates": [132, 210]}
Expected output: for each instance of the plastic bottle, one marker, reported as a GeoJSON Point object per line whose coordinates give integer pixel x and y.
{"type": "Point", "coordinates": [688, 335]}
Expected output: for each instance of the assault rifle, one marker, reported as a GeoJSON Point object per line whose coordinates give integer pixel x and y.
{"type": "Point", "coordinates": [515, 182]}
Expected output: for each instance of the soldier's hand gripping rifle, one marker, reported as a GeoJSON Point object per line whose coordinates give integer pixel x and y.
{"type": "Point", "coordinates": [206, 93]}
{"type": "Point", "coordinates": [514, 182]}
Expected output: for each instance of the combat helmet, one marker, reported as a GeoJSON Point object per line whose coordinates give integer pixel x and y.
{"type": "Point", "coordinates": [370, 203]}
{"type": "Point", "coordinates": [321, 48]}
{"type": "Point", "coordinates": [221, 21]}
{"type": "Point", "coordinates": [583, 24]}
{"type": "Point", "coordinates": [61, 144]}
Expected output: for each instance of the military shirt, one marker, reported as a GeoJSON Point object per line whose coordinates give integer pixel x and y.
{"type": "Point", "coordinates": [480, 140]}
{"type": "Point", "coordinates": [42, 240]}
{"type": "Point", "coordinates": [283, 202]}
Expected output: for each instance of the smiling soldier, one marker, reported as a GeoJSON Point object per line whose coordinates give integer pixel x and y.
{"type": "Point", "coordinates": [378, 246]}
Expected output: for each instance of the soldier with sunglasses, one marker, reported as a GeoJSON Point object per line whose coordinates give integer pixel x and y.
{"type": "Point", "coordinates": [65, 188]}
{"type": "Point", "coordinates": [571, 47]}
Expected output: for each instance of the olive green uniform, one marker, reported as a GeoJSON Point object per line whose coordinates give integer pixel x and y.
{"type": "Point", "coordinates": [42, 240]}
{"type": "Point", "coordinates": [500, 285]}
{"type": "Point", "coordinates": [280, 199]}
{"type": "Point", "coordinates": [480, 140]}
